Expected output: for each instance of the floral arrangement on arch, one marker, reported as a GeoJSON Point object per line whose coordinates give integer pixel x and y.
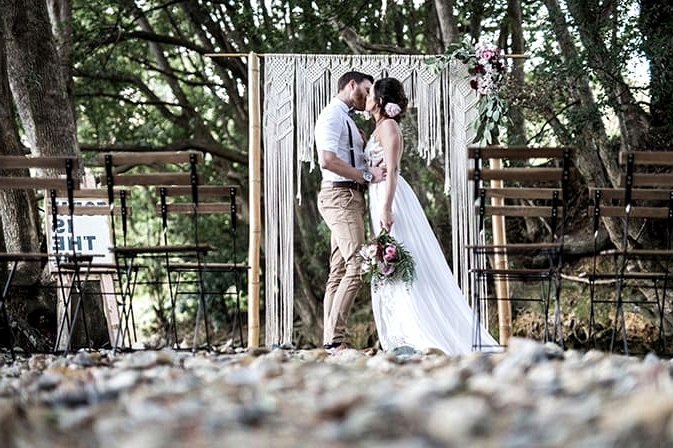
{"type": "Point", "coordinates": [486, 67]}
{"type": "Point", "coordinates": [385, 260]}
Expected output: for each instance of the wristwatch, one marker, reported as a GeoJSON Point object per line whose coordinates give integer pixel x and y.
{"type": "Point", "coordinates": [367, 176]}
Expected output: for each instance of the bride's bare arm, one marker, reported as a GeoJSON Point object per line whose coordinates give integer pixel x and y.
{"type": "Point", "coordinates": [390, 137]}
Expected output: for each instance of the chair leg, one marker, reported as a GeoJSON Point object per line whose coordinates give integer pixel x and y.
{"type": "Point", "coordinates": [199, 313]}
{"type": "Point", "coordinates": [3, 306]}
{"type": "Point", "coordinates": [592, 310]}
{"type": "Point", "coordinates": [478, 302]}
{"type": "Point", "coordinates": [237, 312]}
{"type": "Point", "coordinates": [79, 305]}
{"type": "Point", "coordinates": [476, 322]}
{"type": "Point", "coordinates": [545, 290]}
{"type": "Point", "coordinates": [126, 279]}
{"type": "Point", "coordinates": [204, 307]}
{"type": "Point", "coordinates": [65, 321]}
{"type": "Point", "coordinates": [558, 325]}
{"type": "Point", "coordinates": [662, 310]}
{"type": "Point", "coordinates": [661, 344]}
{"type": "Point", "coordinates": [619, 320]}
{"type": "Point", "coordinates": [79, 285]}
{"type": "Point", "coordinates": [205, 322]}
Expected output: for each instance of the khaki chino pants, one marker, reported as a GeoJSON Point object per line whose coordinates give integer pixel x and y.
{"type": "Point", "coordinates": [343, 210]}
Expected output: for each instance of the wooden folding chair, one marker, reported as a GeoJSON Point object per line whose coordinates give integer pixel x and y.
{"type": "Point", "coordinates": [512, 185]}
{"type": "Point", "coordinates": [198, 201]}
{"type": "Point", "coordinates": [643, 201]}
{"type": "Point", "coordinates": [96, 231]}
{"type": "Point", "coordinates": [58, 173]}
{"type": "Point", "coordinates": [147, 171]}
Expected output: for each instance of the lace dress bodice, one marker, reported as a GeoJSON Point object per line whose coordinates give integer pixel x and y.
{"type": "Point", "coordinates": [374, 152]}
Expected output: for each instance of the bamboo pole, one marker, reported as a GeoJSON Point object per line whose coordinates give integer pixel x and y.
{"type": "Point", "coordinates": [255, 187]}
{"type": "Point", "coordinates": [500, 262]}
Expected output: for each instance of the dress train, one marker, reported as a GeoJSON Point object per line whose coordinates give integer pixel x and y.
{"type": "Point", "coordinates": [431, 312]}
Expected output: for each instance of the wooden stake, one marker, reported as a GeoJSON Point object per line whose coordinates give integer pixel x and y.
{"type": "Point", "coordinates": [500, 261]}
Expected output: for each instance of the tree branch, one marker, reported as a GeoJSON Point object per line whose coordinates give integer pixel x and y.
{"type": "Point", "coordinates": [360, 45]}
{"type": "Point", "coordinates": [184, 145]}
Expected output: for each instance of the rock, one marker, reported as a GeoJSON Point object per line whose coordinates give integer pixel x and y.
{"type": "Point", "coordinates": [532, 395]}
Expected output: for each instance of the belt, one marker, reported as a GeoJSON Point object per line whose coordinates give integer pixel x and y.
{"type": "Point", "coordinates": [350, 185]}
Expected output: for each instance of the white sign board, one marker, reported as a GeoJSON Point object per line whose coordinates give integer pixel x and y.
{"type": "Point", "coordinates": [85, 234]}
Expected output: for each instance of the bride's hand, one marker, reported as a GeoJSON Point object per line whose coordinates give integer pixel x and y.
{"type": "Point", "coordinates": [386, 220]}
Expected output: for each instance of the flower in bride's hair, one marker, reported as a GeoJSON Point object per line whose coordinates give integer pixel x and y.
{"type": "Point", "coordinates": [384, 259]}
{"type": "Point", "coordinates": [392, 110]}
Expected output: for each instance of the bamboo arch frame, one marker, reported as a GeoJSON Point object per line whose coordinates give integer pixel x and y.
{"type": "Point", "coordinates": [254, 160]}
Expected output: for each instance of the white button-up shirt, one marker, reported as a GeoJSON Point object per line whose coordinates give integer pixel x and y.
{"type": "Point", "coordinates": [331, 134]}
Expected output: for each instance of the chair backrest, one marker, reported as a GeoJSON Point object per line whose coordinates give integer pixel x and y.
{"type": "Point", "coordinates": [645, 191]}
{"type": "Point", "coordinates": [522, 182]}
{"type": "Point", "coordinates": [147, 170]}
{"type": "Point", "coordinates": [197, 201]}
{"type": "Point", "coordinates": [48, 173]}
{"type": "Point", "coordinates": [16, 175]}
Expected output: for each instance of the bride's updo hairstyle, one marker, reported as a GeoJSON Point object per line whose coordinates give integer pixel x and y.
{"type": "Point", "coordinates": [389, 93]}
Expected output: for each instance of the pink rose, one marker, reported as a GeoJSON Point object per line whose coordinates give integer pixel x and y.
{"type": "Point", "coordinates": [390, 252]}
{"type": "Point", "coordinates": [487, 54]}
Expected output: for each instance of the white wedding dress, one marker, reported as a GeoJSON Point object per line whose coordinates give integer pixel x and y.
{"type": "Point", "coordinates": [432, 312]}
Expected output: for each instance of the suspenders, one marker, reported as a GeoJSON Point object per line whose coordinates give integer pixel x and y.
{"type": "Point", "coordinates": [350, 143]}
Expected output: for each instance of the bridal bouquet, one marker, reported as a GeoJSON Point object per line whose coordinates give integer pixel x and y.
{"type": "Point", "coordinates": [384, 259]}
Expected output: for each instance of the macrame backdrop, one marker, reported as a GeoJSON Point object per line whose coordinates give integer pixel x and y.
{"type": "Point", "coordinates": [296, 89]}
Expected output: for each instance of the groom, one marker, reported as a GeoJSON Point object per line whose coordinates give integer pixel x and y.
{"type": "Point", "coordinates": [341, 200]}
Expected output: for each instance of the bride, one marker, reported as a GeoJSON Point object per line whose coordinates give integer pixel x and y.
{"type": "Point", "coordinates": [431, 312]}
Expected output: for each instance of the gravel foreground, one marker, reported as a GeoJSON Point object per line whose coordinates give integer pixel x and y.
{"type": "Point", "coordinates": [533, 395]}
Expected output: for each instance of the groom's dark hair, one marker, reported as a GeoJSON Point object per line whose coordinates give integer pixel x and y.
{"type": "Point", "coordinates": [358, 77]}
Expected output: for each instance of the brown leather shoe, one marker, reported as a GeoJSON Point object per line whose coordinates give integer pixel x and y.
{"type": "Point", "coordinates": [343, 346]}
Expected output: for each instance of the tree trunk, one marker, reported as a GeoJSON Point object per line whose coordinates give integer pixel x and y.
{"type": "Point", "coordinates": [60, 15]}
{"type": "Point", "coordinates": [35, 74]}
{"type": "Point", "coordinates": [597, 162]}
{"type": "Point", "coordinates": [36, 78]}
{"type": "Point", "coordinates": [591, 22]}
{"type": "Point", "coordinates": [656, 24]}
{"type": "Point", "coordinates": [18, 209]}
{"type": "Point", "coordinates": [517, 130]}
{"type": "Point", "coordinates": [447, 22]}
